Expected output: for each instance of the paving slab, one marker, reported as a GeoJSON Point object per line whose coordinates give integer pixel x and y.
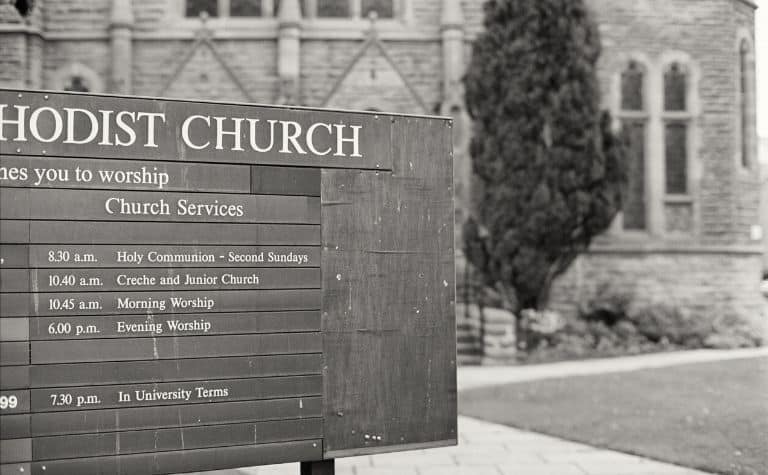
{"type": "Point", "coordinates": [492, 449]}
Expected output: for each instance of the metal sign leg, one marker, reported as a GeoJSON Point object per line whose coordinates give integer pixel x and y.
{"type": "Point", "coordinates": [324, 467]}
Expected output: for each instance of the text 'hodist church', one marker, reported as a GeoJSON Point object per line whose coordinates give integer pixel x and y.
{"type": "Point", "coordinates": [679, 75]}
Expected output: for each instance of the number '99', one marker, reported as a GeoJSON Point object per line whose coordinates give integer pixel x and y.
{"type": "Point", "coordinates": [8, 402]}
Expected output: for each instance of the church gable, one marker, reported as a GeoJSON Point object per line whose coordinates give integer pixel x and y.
{"type": "Point", "coordinates": [372, 81]}
{"type": "Point", "coordinates": [203, 74]}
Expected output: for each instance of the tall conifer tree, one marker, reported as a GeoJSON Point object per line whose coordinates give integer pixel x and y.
{"type": "Point", "coordinates": [551, 168]}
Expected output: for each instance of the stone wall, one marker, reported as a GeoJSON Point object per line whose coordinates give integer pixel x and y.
{"type": "Point", "coordinates": [13, 47]}
{"type": "Point", "coordinates": [61, 55]}
{"type": "Point", "coordinates": [13, 60]}
{"type": "Point", "coordinates": [153, 64]}
{"type": "Point", "coordinates": [485, 335]}
{"type": "Point", "coordinates": [699, 280]}
{"type": "Point", "coordinates": [66, 16]}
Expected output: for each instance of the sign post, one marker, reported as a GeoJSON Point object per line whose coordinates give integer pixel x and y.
{"type": "Point", "coordinates": [191, 286]}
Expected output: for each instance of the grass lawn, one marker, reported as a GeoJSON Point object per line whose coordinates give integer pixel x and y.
{"type": "Point", "coordinates": [710, 416]}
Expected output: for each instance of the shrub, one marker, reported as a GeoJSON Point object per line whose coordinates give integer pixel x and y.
{"type": "Point", "coordinates": [733, 331]}
{"type": "Point", "coordinates": [609, 305]}
{"type": "Point", "coordinates": [611, 323]}
{"type": "Point", "coordinates": [659, 321]}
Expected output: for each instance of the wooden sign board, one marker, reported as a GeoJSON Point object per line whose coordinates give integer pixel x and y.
{"type": "Point", "coordinates": [198, 286]}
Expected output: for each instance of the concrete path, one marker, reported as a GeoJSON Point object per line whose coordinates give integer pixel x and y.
{"type": "Point", "coordinates": [492, 449]}
{"type": "Point", "coordinates": [470, 377]}
{"type": "Point", "coordinates": [487, 448]}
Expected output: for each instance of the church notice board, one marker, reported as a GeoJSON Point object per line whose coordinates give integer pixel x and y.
{"type": "Point", "coordinates": [191, 286]}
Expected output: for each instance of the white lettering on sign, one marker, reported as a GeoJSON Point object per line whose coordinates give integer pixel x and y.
{"type": "Point", "coordinates": [151, 327]}
{"type": "Point", "coordinates": [109, 128]}
{"type": "Point", "coordinates": [79, 126]}
{"type": "Point", "coordinates": [182, 207]}
{"type": "Point", "coordinates": [311, 138]}
{"type": "Point", "coordinates": [176, 303]}
{"type": "Point", "coordinates": [295, 140]}
{"type": "Point", "coordinates": [72, 120]}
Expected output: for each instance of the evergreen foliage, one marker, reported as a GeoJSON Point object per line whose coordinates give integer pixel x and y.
{"type": "Point", "coordinates": [551, 169]}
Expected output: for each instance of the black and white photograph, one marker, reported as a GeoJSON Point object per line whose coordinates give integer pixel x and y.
{"type": "Point", "coordinates": [384, 237]}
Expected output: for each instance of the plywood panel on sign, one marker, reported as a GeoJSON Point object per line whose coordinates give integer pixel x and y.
{"type": "Point", "coordinates": [285, 181]}
{"type": "Point", "coordinates": [14, 329]}
{"type": "Point", "coordinates": [22, 401]}
{"type": "Point", "coordinates": [190, 286]}
{"type": "Point", "coordinates": [108, 280]}
{"type": "Point", "coordinates": [61, 172]}
{"type": "Point", "coordinates": [165, 394]}
{"type": "Point", "coordinates": [388, 283]}
{"type": "Point", "coordinates": [67, 232]}
{"type": "Point", "coordinates": [195, 324]}
{"type": "Point", "coordinates": [15, 468]}
{"type": "Point", "coordinates": [177, 438]}
{"type": "Point", "coordinates": [186, 301]}
{"type": "Point", "coordinates": [14, 426]}
{"type": "Point", "coordinates": [122, 256]}
{"type": "Point", "coordinates": [159, 371]}
{"type": "Point", "coordinates": [12, 232]}
{"type": "Point", "coordinates": [191, 132]}
{"type": "Point", "coordinates": [14, 280]}
{"type": "Point", "coordinates": [184, 415]}
{"type": "Point", "coordinates": [13, 353]}
{"type": "Point", "coordinates": [184, 460]}
{"type": "Point", "coordinates": [16, 450]}
{"type": "Point", "coordinates": [130, 349]}
{"type": "Point", "coordinates": [98, 205]}
{"type": "Point", "coordinates": [14, 377]}
{"type": "Point", "coordinates": [14, 255]}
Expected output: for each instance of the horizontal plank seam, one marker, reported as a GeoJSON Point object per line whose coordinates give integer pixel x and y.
{"type": "Point", "coordinates": [50, 461]}
{"type": "Point", "coordinates": [166, 428]}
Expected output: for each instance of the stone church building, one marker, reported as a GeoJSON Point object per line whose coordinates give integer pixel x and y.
{"type": "Point", "coordinates": [679, 75]}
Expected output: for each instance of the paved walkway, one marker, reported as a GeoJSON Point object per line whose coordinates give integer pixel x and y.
{"type": "Point", "coordinates": [470, 377]}
{"type": "Point", "coordinates": [492, 449]}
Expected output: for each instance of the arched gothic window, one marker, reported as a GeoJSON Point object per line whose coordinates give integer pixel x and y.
{"type": "Point", "coordinates": [77, 84]}
{"type": "Point", "coordinates": [76, 77]}
{"type": "Point", "coordinates": [656, 102]}
{"type": "Point", "coordinates": [632, 79]}
{"type": "Point", "coordinates": [633, 115]}
{"type": "Point", "coordinates": [675, 87]}
{"type": "Point", "coordinates": [676, 118]}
